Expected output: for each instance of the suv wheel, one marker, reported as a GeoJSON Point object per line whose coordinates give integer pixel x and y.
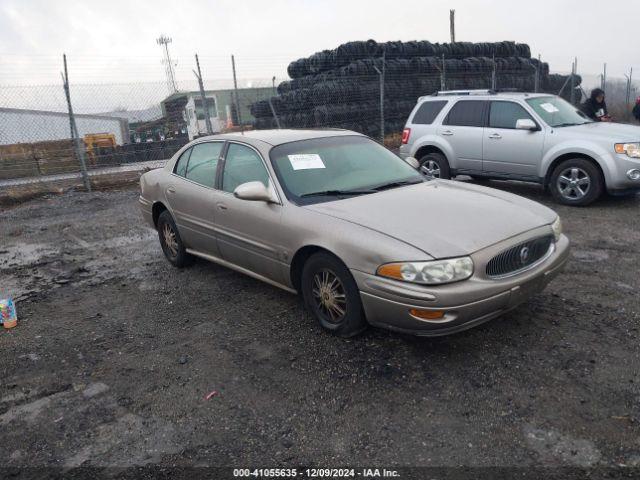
{"type": "Point", "coordinates": [332, 296]}
{"type": "Point", "coordinates": [576, 182]}
{"type": "Point", "coordinates": [434, 165]}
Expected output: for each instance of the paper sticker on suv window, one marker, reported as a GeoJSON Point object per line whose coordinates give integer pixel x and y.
{"type": "Point", "coordinates": [306, 161]}
{"type": "Point", "coordinates": [549, 107]}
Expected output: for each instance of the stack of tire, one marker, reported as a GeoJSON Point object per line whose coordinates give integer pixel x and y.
{"type": "Point", "coordinates": [340, 88]}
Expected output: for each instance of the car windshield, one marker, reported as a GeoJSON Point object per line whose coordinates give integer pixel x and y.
{"type": "Point", "coordinates": [557, 112]}
{"type": "Point", "coordinates": [330, 168]}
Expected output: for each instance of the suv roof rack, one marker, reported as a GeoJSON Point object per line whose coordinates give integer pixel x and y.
{"type": "Point", "coordinates": [444, 93]}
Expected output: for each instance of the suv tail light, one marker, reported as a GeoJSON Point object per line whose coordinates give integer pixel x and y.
{"type": "Point", "coordinates": [405, 135]}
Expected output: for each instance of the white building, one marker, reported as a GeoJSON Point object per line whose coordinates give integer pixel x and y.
{"type": "Point", "coordinates": [28, 126]}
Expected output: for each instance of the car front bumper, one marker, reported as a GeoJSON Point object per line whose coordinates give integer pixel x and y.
{"type": "Point", "coordinates": [387, 303]}
{"type": "Point", "coordinates": [618, 181]}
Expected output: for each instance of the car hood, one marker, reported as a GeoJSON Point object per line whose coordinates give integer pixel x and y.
{"type": "Point", "coordinates": [611, 132]}
{"type": "Point", "coordinates": [442, 218]}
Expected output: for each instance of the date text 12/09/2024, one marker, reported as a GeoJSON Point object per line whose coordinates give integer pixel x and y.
{"type": "Point", "coordinates": [315, 473]}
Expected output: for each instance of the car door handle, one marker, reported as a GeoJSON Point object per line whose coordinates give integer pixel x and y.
{"type": "Point", "coordinates": [171, 190]}
{"type": "Point", "coordinates": [221, 206]}
{"type": "Point", "coordinates": [495, 136]}
{"type": "Point", "coordinates": [447, 133]}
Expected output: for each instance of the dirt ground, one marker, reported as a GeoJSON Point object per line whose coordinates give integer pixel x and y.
{"type": "Point", "coordinates": [115, 351]}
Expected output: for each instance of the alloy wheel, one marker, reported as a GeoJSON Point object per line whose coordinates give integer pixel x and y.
{"type": "Point", "coordinates": [170, 239]}
{"type": "Point", "coordinates": [573, 183]}
{"type": "Point", "coordinates": [329, 296]}
{"type": "Point", "coordinates": [431, 169]}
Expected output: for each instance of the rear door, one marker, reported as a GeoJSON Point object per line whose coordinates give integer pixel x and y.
{"type": "Point", "coordinates": [463, 130]}
{"type": "Point", "coordinates": [191, 195]}
{"type": "Point", "coordinates": [509, 152]}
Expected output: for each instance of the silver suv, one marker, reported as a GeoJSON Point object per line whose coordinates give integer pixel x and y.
{"type": "Point", "coordinates": [530, 137]}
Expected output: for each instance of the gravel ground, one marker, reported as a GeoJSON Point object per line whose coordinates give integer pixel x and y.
{"type": "Point", "coordinates": [115, 351]}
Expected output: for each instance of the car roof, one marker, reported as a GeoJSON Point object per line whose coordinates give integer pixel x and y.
{"type": "Point", "coordinates": [278, 137]}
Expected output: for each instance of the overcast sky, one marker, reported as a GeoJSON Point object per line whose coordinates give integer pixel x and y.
{"type": "Point", "coordinates": [114, 40]}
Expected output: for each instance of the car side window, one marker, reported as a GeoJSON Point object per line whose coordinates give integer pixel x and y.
{"type": "Point", "coordinates": [466, 113]}
{"type": "Point", "coordinates": [506, 114]}
{"type": "Point", "coordinates": [181, 164]}
{"type": "Point", "coordinates": [242, 165]}
{"type": "Point", "coordinates": [428, 111]}
{"type": "Point", "coordinates": [204, 162]}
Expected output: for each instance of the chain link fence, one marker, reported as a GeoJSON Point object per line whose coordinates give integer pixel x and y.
{"type": "Point", "coordinates": [368, 87]}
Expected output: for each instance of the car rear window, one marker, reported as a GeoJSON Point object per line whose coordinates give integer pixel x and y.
{"type": "Point", "coordinates": [467, 113]}
{"type": "Point", "coordinates": [428, 111]}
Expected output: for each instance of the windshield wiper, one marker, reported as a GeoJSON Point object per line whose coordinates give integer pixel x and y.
{"type": "Point", "coordinates": [337, 193]}
{"type": "Point", "coordinates": [401, 183]}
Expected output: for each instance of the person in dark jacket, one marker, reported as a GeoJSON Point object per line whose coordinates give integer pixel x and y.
{"type": "Point", "coordinates": [636, 109]}
{"type": "Point", "coordinates": [595, 107]}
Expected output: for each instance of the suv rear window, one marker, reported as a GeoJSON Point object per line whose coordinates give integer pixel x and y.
{"type": "Point", "coordinates": [466, 113]}
{"type": "Point", "coordinates": [428, 111]}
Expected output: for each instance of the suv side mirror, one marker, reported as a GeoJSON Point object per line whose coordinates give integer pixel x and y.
{"type": "Point", "coordinates": [413, 162]}
{"type": "Point", "coordinates": [526, 124]}
{"type": "Point", "coordinates": [255, 192]}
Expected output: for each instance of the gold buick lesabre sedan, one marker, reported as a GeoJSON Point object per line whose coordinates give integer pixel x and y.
{"type": "Point", "coordinates": [357, 230]}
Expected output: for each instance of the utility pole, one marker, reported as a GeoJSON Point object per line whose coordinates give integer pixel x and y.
{"type": "Point", "coordinates": [75, 137]}
{"type": "Point", "coordinates": [235, 91]}
{"type": "Point", "coordinates": [452, 25]}
{"type": "Point", "coordinates": [164, 42]}
{"type": "Point", "coordinates": [203, 99]}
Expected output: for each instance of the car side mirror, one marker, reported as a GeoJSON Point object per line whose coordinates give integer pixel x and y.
{"type": "Point", "coordinates": [526, 124]}
{"type": "Point", "coordinates": [413, 162]}
{"type": "Point", "coordinates": [255, 192]}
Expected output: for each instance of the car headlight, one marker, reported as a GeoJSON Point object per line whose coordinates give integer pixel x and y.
{"type": "Point", "coordinates": [556, 226]}
{"type": "Point", "coordinates": [436, 272]}
{"type": "Point", "coordinates": [630, 149]}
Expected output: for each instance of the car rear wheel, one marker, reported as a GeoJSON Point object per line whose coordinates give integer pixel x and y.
{"type": "Point", "coordinates": [576, 182]}
{"type": "Point", "coordinates": [171, 242]}
{"type": "Point", "coordinates": [434, 165]}
{"type": "Point", "coordinates": [331, 295]}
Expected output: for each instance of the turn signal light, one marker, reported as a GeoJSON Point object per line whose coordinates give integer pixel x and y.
{"type": "Point", "coordinates": [427, 314]}
{"type": "Point", "coordinates": [405, 135]}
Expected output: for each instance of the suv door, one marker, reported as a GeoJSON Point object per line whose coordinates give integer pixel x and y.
{"type": "Point", "coordinates": [191, 195]}
{"type": "Point", "coordinates": [462, 129]}
{"type": "Point", "coordinates": [247, 231]}
{"type": "Point", "coordinates": [507, 151]}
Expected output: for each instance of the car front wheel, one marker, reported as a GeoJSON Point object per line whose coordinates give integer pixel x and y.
{"type": "Point", "coordinates": [576, 182]}
{"type": "Point", "coordinates": [331, 295]}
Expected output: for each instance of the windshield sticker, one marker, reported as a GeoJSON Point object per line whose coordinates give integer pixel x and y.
{"type": "Point", "coordinates": [306, 161]}
{"type": "Point", "coordinates": [549, 107]}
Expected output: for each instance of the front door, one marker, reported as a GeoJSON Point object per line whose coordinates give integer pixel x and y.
{"type": "Point", "coordinates": [247, 231]}
{"type": "Point", "coordinates": [509, 152]}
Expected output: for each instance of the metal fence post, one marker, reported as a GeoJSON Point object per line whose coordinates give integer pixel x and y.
{"type": "Point", "coordinates": [443, 77]}
{"type": "Point", "coordinates": [603, 84]}
{"type": "Point", "coordinates": [381, 75]}
{"type": "Point", "coordinates": [203, 99]}
{"type": "Point", "coordinates": [536, 80]}
{"type": "Point", "coordinates": [493, 73]}
{"type": "Point", "coordinates": [235, 91]}
{"type": "Point", "coordinates": [75, 137]}
{"type": "Point", "coordinates": [573, 84]}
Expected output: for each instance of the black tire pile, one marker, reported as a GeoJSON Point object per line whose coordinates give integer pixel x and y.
{"type": "Point", "coordinates": [340, 88]}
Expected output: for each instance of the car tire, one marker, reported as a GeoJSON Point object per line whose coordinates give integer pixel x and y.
{"type": "Point", "coordinates": [432, 163]}
{"type": "Point", "coordinates": [328, 288]}
{"type": "Point", "coordinates": [577, 182]}
{"type": "Point", "coordinates": [171, 242]}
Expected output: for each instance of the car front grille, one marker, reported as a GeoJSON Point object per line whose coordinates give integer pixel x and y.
{"type": "Point", "coordinates": [520, 257]}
